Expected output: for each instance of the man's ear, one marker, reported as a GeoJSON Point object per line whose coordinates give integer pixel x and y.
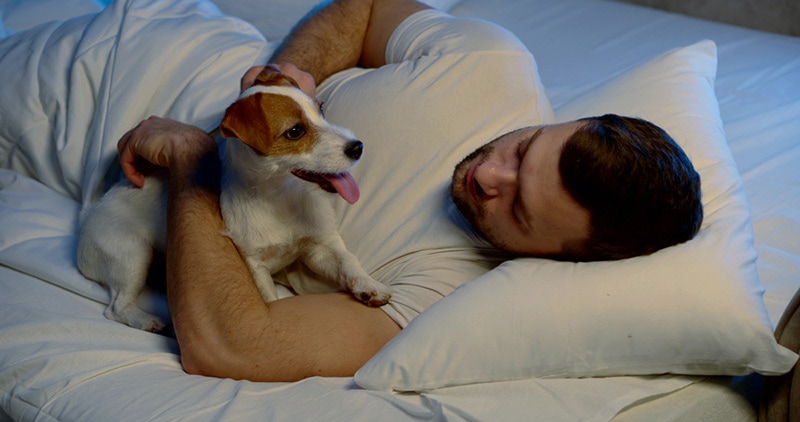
{"type": "Point", "coordinates": [272, 76]}
{"type": "Point", "coordinates": [244, 121]}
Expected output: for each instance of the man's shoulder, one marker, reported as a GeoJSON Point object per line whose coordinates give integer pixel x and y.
{"type": "Point", "coordinates": [433, 32]}
{"type": "Point", "coordinates": [420, 279]}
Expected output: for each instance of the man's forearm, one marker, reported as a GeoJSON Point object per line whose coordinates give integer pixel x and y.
{"type": "Point", "coordinates": [224, 328]}
{"type": "Point", "coordinates": [344, 34]}
{"type": "Point", "coordinates": [204, 268]}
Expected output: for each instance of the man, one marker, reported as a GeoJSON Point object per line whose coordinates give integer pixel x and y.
{"type": "Point", "coordinates": [519, 192]}
{"type": "Point", "coordinates": [592, 196]}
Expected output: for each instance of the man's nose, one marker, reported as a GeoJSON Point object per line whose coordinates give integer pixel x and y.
{"type": "Point", "coordinates": [495, 178]}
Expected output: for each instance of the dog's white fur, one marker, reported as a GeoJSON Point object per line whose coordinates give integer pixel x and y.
{"type": "Point", "coordinates": [273, 216]}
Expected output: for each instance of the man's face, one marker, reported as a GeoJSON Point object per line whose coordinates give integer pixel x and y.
{"type": "Point", "coordinates": [510, 191]}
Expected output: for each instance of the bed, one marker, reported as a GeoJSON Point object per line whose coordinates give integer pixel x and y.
{"type": "Point", "coordinates": [686, 334]}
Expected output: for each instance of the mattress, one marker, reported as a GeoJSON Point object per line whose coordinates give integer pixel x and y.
{"type": "Point", "coordinates": [62, 360]}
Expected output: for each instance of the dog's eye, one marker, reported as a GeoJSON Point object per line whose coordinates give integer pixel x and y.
{"type": "Point", "coordinates": [295, 133]}
{"type": "Point", "coordinates": [321, 109]}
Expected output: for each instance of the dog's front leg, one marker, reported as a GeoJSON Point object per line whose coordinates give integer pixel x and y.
{"type": "Point", "coordinates": [332, 260]}
{"type": "Point", "coordinates": [263, 279]}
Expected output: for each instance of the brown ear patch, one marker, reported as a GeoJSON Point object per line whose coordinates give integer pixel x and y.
{"type": "Point", "coordinates": [261, 121]}
{"type": "Point", "coordinates": [244, 120]}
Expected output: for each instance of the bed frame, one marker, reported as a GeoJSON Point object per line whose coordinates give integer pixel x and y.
{"type": "Point", "coordinates": [780, 400]}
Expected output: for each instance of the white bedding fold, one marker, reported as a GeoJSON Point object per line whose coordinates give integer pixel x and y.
{"type": "Point", "coordinates": [71, 89]}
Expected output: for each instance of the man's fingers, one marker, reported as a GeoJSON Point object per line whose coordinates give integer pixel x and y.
{"type": "Point", "coordinates": [155, 142]}
{"type": "Point", "coordinates": [304, 79]}
{"type": "Point", "coordinates": [249, 77]}
{"type": "Point", "coordinates": [133, 175]}
{"type": "Point", "coordinates": [127, 160]}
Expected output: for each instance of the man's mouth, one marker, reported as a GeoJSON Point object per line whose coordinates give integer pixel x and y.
{"type": "Point", "coordinates": [342, 183]}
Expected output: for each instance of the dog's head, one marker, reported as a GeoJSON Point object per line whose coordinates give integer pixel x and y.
{"type": "Point", "coordinates": [279, 122]}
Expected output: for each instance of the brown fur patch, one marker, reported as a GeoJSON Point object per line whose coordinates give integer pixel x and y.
{"type": "Point", "coordinates": [268, 253]}
{"type": "Point", "coordinates": [263, 122]}
{"type": "Point", "coordinates": [306, 242]}
{"type": "Point", "coordinates": [271, 252]}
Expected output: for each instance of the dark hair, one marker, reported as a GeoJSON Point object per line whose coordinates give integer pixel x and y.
{"type": "Point", "coordinates": [640, 189]}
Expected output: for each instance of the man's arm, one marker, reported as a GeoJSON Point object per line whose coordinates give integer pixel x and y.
{"type": "Point", "coordinates": [344, 34]}
{"type": "Point", "coordinates": [223, 327]}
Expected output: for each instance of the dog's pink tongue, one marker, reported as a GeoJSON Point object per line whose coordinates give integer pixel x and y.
{"type": "Point", "coordinates": [345, 185]}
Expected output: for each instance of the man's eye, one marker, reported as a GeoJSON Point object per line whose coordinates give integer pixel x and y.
{"type": "Point", "coordinates": [295, 133]}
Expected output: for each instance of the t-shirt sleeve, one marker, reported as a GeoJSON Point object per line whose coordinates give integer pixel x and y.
{"type": "Point", "coordinates": [435, 33]}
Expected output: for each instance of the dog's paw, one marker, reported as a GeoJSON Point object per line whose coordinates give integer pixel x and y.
{"type": "Point", "coordinates": [370, 291]}
{"type": "Point", "coordinates": [136, 318]}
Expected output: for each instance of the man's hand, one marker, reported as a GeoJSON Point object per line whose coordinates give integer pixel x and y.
{"type": "Point", "coordinates": [160, 142]}
{"type": "Point", "coordinates": [304, 79]}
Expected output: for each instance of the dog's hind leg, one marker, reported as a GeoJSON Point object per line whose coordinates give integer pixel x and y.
{"type": "Point", "coordinates": [122, 266]}
{"type": "Point", "coordinates": [115, 248]}
{"type": "Point", "coordinates": [123, 308]}
{"type": "Point", "coordinates": [126, 285]}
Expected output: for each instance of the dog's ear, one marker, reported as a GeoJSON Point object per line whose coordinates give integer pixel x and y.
{"type": "Point", "coordinates": [272, 76]}
{"type": "Point", "coordinates": [244, 121]}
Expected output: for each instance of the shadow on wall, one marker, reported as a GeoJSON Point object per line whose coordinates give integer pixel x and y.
{"type": "Point", "coordinates": [781, 16]}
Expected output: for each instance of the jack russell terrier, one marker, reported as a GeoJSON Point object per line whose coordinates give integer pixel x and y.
{"type": "Point", "coordinates": [276, 151]}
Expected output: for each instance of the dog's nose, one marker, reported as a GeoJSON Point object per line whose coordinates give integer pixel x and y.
{"type": "Point", "coordinates": [353, 149]}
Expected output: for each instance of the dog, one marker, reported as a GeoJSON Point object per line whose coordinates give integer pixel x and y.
{"type": "Point", "coordinates": [279, 156]}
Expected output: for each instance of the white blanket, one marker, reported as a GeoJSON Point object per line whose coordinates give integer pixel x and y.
{"type": "Point", "coordinates": [70, 90]}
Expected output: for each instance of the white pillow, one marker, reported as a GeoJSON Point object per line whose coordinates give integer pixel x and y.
{"type": "Point", "coordinates": [275, 18]}
{"type": "Point", "coordinates": [694, 308]}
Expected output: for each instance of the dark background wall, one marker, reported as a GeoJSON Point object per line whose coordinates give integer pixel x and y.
{"type": "Point", "coordinates": [782, 16]}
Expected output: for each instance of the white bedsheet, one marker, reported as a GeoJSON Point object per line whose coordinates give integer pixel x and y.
{"type": "Point", "coordinates": [131, 375]}
{"type": "Point", "coordinates": [60, 359]}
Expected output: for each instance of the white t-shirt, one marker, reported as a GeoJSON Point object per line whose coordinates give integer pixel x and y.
{"type": "Point", "coordinates": [451, 85]}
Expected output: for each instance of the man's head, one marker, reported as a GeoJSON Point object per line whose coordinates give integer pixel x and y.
{"type": "Point", "coordinates": [600, 188]}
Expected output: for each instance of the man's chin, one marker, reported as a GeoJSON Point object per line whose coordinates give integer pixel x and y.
{"type": "Point", "coordinates": [472, 218]}
{"type": "Point", "coordinates": [460, 199]}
